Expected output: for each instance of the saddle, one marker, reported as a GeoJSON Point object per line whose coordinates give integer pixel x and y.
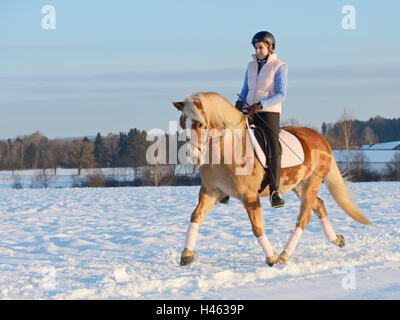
{"type": "Point", "coordinates": [292, 150]}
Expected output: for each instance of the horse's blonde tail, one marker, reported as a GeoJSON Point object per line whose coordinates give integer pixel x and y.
{"type": "Point", "coordinates": [340, 193]}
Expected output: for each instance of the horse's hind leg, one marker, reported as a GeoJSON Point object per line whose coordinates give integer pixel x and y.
{"type": "Point", "coordinates": [207, 200]}
{"type": "Point", "coordinates": [253, 208]}
{"type": "Point", "coordinates": [320, 211]}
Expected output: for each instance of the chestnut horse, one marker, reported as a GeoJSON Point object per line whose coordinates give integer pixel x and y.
{"type": "Point", "coordinates": [210, 112]}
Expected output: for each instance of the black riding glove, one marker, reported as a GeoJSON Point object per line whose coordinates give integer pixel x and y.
{"type": "Point", "coordinates": [239, 105]}
{"type": "Point", "coordinates": [253, 108]}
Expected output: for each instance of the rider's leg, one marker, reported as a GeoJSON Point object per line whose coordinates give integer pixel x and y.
{"type": "Point", "coordinates": [269, 122]}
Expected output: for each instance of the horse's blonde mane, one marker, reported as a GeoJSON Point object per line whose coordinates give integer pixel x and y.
{"type": "Point", "coordinates": [218, 111]}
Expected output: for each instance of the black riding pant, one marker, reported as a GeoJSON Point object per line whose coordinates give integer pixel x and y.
{"type": "Point", "coordinates": [269, 122]}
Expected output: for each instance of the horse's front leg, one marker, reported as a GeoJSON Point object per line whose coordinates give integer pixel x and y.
{"type": "Point", "coordinates": [309, 191]}
{"type": "Point", "coordinates": [253, 208]}
{"type": "Point", "coordinates": [207, 200]}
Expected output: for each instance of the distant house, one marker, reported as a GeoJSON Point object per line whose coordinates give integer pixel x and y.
{"type": "Point", "coordinates": [374, 157]}
{"type": "Point", "coordinates": [393, 145]}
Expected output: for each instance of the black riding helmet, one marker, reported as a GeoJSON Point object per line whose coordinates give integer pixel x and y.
{"type": "Point", "coordinates": [264, 36]}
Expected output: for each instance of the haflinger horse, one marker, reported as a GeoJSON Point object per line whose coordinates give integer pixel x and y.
{"type": "Point", "coordinates": [210, 112]}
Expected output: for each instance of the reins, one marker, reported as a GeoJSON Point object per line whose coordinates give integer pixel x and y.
{"type": "Point", "coordinates": [277, 135]}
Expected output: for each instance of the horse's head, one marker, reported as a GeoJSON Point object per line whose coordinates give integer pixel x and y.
{"type": "Point", "coordinates": [193, 112]}
{"type": "Point", "coordinates": [207, 114]}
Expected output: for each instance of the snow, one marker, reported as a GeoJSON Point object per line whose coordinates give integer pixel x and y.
{"type": "Point", "coordinates": [125, 243]}
{"type": "Point", "coordinates": [370, 156]}
{"type": "Point", "coordinates": [382, 146]}
{"type": "Point", "coordinates": [69, 177]}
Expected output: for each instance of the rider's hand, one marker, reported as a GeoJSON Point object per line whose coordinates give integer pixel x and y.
{"type": "Point", "coordinates": [239, 105]}
{"type": "Point", "coordinates": [254, 108]}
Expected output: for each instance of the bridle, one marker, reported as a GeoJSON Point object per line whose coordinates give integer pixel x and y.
{"type": "Point", "coordinates": [201, 142]}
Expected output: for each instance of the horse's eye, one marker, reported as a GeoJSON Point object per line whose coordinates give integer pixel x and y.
{"type": "Point", "coordinates": [200, 125]}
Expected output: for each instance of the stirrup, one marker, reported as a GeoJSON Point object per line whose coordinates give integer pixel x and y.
{"type": "Point", "coordinates": [282, 204]}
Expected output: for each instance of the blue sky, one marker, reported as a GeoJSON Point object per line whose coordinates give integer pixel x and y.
{"type": "Point", "coordinates": [114, 65]}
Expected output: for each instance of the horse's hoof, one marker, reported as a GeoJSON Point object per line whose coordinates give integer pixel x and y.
{"type": "Point", "coordinates": [283, 257]}
{"type": "Point", "coordinates": [339, 241]}
{"type": "Point", "coordinates": [272, 260]}
{"type": "Point", "coordinates": [187, 257]}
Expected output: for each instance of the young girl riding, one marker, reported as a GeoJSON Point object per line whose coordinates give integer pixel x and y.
{"type": "Point", "coordinates": [264, 90]}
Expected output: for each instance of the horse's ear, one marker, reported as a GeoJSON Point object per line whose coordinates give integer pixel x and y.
{"type": "Point", "coordinates": [198, 104]}
{"type": "Point", "coordinates": [178, 105]}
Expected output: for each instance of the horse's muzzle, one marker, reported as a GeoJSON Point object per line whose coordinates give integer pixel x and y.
{"type": "Point", "coordinates": [195, 156]}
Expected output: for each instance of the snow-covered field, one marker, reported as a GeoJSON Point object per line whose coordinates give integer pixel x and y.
{"type": "Point", "coordinates": [125, 243]}
{"type": "Point", "coordinates": [63, 178]}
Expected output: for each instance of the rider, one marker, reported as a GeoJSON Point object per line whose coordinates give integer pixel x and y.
{"type": "Point", "coordinates": [264, 90]}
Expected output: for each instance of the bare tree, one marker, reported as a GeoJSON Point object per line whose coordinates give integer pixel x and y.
{"type": "Point", "coordinates": [159, 175]}
{"type": "Point", "coordinates": [42, 179]}
{"type": "Point", "coordinates": [345, 134]}
{"type": "Point", "coordinates": [56, 153]}
{"type": "Point", "coordinates": [290, 122]}
{"type": "Point", "coordinates": [368, 136]}
{"type": "Point", "coordinates": [393, 168]}
{"type": "Point", "coordinates": [81, 154]}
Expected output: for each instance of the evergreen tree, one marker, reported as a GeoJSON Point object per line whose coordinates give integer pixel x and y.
{"type": "Point", "coordinates": [132, 148]}
{"type": "Point", "coordinates": [3, 155]}
{"type": "Point", "coordinates": [31, 156]}
{"type": "Point", "coordinates": [111, 146]}
{"type": "Point", "coordinates": [100, 153]}
{"type": "Point", "coordinates": [123, 154]}
{"type": "Point", "coordinates": [324, 127]}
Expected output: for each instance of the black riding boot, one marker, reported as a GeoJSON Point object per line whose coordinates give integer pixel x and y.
{"type": "Point", "coordinates": [275, 171]}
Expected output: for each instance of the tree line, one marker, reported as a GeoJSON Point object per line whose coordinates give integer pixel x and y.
{"type": "Point", "coordinates": [349, 133]}
{"type": "Point", "coordinates": [36, 151]}
{"type": "Point", "coordinates": [128, 149]}
{"type": "Point", "coordinates": [356, 133]}
{"type": "Point", "coordinates": [123, 150]}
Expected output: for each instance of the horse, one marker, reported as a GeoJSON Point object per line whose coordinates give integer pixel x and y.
{"type": "Point", "coordinates": [212, 113]}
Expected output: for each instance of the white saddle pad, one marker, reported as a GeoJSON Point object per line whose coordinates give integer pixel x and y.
{"type": "Point", "coordinates": [292, 150]}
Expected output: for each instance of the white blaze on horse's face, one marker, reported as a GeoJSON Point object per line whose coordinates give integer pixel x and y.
{"type": "Point", "coordinates": [192, 110]}
{"type": "Point", "coordinates": [197, 144]}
